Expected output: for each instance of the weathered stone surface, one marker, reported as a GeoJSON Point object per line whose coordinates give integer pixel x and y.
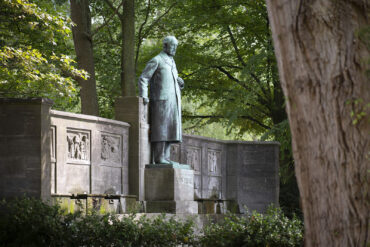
{"type": "Point", "coordinates": [103, 204]}
{"type": "Point", "coordinates": [91, 154]}
{"type": "Point", "coordinates": [70, 204]}
{"type": "Point", "coordinates": [244, 172]}
{"type": "Point", "coordinates": [167, 184]}
{"type": "Point", "coordinates": [24, 145]}
{"type": "Point", "coordinates": [133, 111]}
{"type": "Point", "coordinates": [169, 190]}
{"type": "Point", "coordinates": [177, 207]}
{"type": "Point", "coordinates": [100, 203]}
{"type": "Point", "coordinates": [254, 182]}
{"type": "Point", "coordinates": [211, 207]}
{"type": "Point", "coordinates": [128, 204]}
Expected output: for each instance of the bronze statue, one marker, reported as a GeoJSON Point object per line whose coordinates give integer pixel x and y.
{"type": "Point", "coordinates": [161, 75]}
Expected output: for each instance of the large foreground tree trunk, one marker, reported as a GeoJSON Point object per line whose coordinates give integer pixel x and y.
{"type": "Point", "coordinates": [80, 15]}
{"type": "Point", "coordinates": [323, 62]}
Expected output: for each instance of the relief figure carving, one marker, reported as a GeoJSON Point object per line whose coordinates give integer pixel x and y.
{"type": "Point", "coordinates": [192, 158]}
{"type": "Point", "coordinates": [212, 161]}
{"type": "Point", "coordinates": [110, 148]}
{"type": "Point", "coordinates": [78, 144]}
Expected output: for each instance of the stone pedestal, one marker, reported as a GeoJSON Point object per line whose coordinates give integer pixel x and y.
{"type": "Point", "coordinates": [132, 110]}
{"type": "Point", "coordinates": [169, 189]}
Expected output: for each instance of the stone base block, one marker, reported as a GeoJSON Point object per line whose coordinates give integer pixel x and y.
{"type": "Point", "coordinates": [69, 204]}
{"type": "Point", "coordinates": [174, 207]}
{"type": "Point", "coordinates": [128, 204]}
{"type": "Point", "coordinates": [100, 203]}
{"type": "Point", "coordinates": [211, 207]}
{"type": "Point", "coordinates": [166, 183]}
{"type": "Point", "coordinates": [232, 206]}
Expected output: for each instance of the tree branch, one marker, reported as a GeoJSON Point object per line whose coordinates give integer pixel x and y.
{"type": "Point", "coordinates": [110, 4]}
{"type": "Point", "coordinates": [228, 74]}
{"type": "Point", "coordinates": [107, 21]}
{"type": "Point", "coordinates": [233, 41]}
{"type": "Point", "coordinates": [111, 38]}
{"type": "Point", "coordinates": [158, 19]}
{"type": "Point", "coordinates": [259, 83]}
{"type": "Point", "coordinates": [231, 77]}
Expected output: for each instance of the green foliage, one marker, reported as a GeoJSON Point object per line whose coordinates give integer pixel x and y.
{"type": "Point", "coordinates": [33, 60]}
{"type": "Point", "coordinates": [226, 56]}
{"type": "Point", "coordinates": [162, 232]}
{"type": "Point", "coordinates": [30, 222]}
{"type": "Point", "coordinates": [271, 229]}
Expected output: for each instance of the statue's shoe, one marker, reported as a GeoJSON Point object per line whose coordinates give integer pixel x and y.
{"type": "Point", "coordinates": [163, 162]}
{"type": "Point", "coordinates": [174, 163]}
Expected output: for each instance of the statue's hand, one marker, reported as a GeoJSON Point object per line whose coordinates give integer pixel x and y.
{"type": "Point", "coordinates": [181, 82]}
{"type": "Point", "coordinates": [145, 100]}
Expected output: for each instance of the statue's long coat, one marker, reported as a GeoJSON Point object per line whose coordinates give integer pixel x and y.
{"type": "Point", "coordinates": [165, 98]}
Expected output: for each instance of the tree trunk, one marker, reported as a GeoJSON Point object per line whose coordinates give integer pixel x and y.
{"type": "Point", "coordinates": [323, 63]}
{"type": "Point", "coordinates": [80, 15]}
{"type": "Point", "coordinates": [128, 49]}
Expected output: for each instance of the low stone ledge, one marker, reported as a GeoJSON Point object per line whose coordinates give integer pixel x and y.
{"type": "Point", "coordinates": [36, 100]}
{"type": "Point", "coordinates": [100, 203]}
{"type": "Point", "coordinates": [76, 116]}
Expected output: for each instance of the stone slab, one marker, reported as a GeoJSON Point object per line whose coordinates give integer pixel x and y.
{"type": "Point", "coordinates": [176, 207]}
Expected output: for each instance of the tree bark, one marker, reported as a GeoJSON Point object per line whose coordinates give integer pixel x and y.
{"type": "Point", "coordinates": [80, 15]}
{"type": "Point", "coordinates": [322, 63]}
{"type": "Point", "coordinates": [128, 49]}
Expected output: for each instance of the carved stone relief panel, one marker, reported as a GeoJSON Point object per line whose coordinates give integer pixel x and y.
{"type": "Point", "coordinates": [111, 148]}
{"type": "Point", "coordinates": [214, 162]}
{"type": "Point", "coordinates": [78, 146]}
{"type": "Point", "coordinates": [175, 152]}
{"type": "Point", "coordinates": [193, 158]}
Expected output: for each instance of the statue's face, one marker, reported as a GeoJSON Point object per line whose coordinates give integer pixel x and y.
{"type": "Point", "coordinates": [170, 49]}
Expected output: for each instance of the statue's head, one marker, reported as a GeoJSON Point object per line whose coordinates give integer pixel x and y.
{"type": "Point", "coordinates": [169, 45]}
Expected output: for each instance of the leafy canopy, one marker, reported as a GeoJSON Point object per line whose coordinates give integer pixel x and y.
{"type": "Point", "coordinates": [33, 60]}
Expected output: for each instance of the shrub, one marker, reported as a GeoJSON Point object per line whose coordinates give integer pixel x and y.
{"type": "Point", "coordinates": [270, 229]}
{"type": "Point", "coordinates": [30, 222]}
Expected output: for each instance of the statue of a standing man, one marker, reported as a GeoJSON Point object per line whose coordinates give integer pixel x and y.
{"type": "Point", "coordinates": [165, 100]}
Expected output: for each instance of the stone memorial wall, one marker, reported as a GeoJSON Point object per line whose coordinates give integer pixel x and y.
{"type": "Point", "coordinates": [91, 161]}
{"type": "Point", "coordinates": [89, 155]}
{"type": "Point", "coordinates": [242, 171]}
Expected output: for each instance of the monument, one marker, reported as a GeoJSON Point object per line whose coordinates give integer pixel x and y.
{"type": "Point", "coordinates": [85, 162]}
{"type": "Point", "coordinates": [169, 186]}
